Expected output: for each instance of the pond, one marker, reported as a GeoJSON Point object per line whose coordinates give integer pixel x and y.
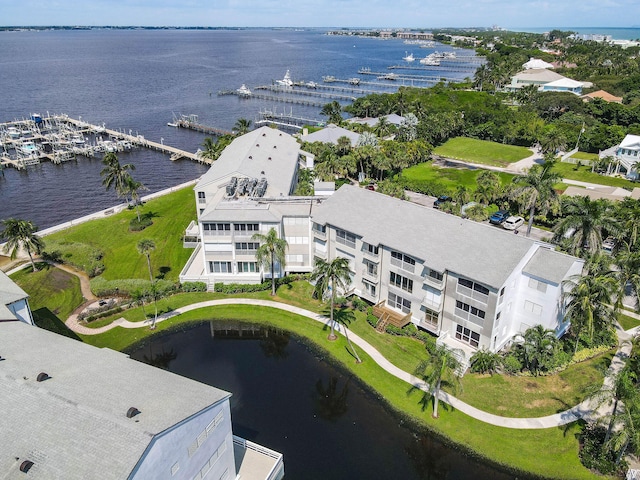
{"type": "Point", "coordinates": [289, 398]}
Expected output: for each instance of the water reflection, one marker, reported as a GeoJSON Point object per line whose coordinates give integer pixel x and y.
{"type": "Point", "coordinates": [331, 401]}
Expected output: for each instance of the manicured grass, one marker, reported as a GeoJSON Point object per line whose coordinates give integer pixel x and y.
{"type": "Point", "coordinates": [627, 322]}
{"type": "Point", "coordinates": [171, 216]}
{"type": "Point", "coordinates": [584, 174]}
{"type": "Point", "coordinates": [551, 453]}
{"type": "Point", "coordinates": [450, 178]}
{"type": "Point", "coordinates": [585, 156]}
{"type": "Point", "coordinates": [50, 288]}
{"type": "Point", "coordinates": [511, 396]}
{"type": "Point", "coordinates": [482, 151]}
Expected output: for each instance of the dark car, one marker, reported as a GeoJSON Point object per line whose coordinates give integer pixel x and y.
{"type": "Point", "coordinates": [440, 200]}
{"type": "Point", "coordinates": [499, 217]}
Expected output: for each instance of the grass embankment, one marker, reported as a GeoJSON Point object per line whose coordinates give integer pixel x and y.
{"type": "Point", "coordinates": [550, 452]}
{"type": "Point", "coordinates": [482, 151]}
{"type": "Point", "coordinates": [171, 215]}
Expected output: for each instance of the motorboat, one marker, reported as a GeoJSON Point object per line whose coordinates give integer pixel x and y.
{"type": "Point", "coordinates": [286, 81]}
{"type": "Point", "coordinates": [354, 81]}
{"type": "Point", "coordinates": [328, 78]}
{"type": "Point", "coordinates": [311, 85]}
{"type": "Point", "coordinates": [388, 76]}
{"type": "Point", "coordinates": [244, 91]}
{"type": "Point", "coordinates": [408, 57]}
{"type": "Point", "coordinates": [430, 60]}
{"type": "Point", "coordinates": [28, 148]}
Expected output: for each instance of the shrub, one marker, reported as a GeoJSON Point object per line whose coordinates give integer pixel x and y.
{"type": "Point", "coordinates": [595, 455]}
{"type": "Point", "coordinates": [409, 330]}
{"type": "Point", "coordinates": [372, 320]}
{"type": "Point", "coordinates": [587, 353]}
{"type": "Point", "coordinates": [428, 340]}
{"type": "Point", "coordinates": [103, 288]}
{"type": "Point", "coordinates": [257, 287]}
{"type": "Point", "coordinates": [358, 303]}
{"type": "Point", "coordinates": [80, 255]}
{"type": "Point", "coordinates": [194, 287]}
{"type": "Point", "coordinates": [484, 361]}
{"type": "Point", "coordinates": [512, 364]}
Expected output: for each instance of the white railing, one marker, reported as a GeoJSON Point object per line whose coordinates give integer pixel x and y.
{"type": "Point", "coordinates": [278, 467]}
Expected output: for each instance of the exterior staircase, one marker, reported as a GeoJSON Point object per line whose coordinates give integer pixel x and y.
{"type": "Point", "coordinates": [383, 321]}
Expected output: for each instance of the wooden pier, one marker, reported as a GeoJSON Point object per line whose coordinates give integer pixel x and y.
{"type": "Point", "coordinates": [275, 98]}
{"type": "Point", "coordinates": [399, 77]}
{"type": "Point", "coordinates": [191, 122]}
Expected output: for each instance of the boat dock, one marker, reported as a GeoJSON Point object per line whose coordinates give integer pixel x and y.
{"type": "Point", "coordinates": [441, 67]}
{"type": "Point", "coordinates": [276, 98]}
{"type": "Point", "coordinates": [419, 78]}
{"type": "Point", "coordinates": [286, 120]}
{"type": "Point", "coordinates": [191, 122]}
{"type": "Point", "coordinates": [60, 138]}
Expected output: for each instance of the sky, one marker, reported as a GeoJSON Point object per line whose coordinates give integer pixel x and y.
{"type": "Point", "coordinates": [509, 14]}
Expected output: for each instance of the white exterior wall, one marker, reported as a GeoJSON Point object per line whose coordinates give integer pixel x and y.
{"type": "Point", "coordinates": [297, 233]}
{"type": "Point", "coordinates": [21, 310]}
{"type": "Point", "coordinates": [171, 448]}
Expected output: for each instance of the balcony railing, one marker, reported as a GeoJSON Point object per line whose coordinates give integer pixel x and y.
{"type": "Point", "coordinates": [409, 267]}
{"type": "Point", "coordinates": [373, 256]}
{"type": "Point", "coordinates": [368, 274]}
{"type": "Point", "coordinates": [427, 302]}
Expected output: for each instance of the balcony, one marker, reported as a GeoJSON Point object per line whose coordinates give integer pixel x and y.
{"type": "Point", "coordinates": [467, 292]}
{"type": "Point", "coordinates": [429, 323]}
{"type": "Point", "coordinates": [432, 304]}
{"type": "Point", "coordinates": [375, 257]}
{"type": "Point", "coordinates": [370, 275]}
{"type": "Point", "coordinates": [388, 316]}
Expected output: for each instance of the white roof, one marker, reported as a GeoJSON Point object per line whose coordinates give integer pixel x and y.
{"type": "Point", "coordinates": [630, 141]}
{"type": "Point", "coordinates": [536, 63]}
{"type": "Point", "coordinates": [74, 425]}
{"type": "Point", "coordinates": [563, 83]}
{"type": "Point", "coordinates": [9, 293]}
{"type": "Point", "coordinates": [538, 75]}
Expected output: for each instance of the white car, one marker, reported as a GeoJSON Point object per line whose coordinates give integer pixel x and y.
{"type": "Point", "coordinates": [512, 223]}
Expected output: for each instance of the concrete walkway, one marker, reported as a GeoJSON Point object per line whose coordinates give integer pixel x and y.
{"type": "Point", "coordinates": [584, 410]}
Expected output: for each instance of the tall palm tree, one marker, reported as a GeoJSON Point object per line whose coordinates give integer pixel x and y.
{"type": "Point", "coordinates": [21, 234]}
{"type": "Point", "coordinates": [328, 277]}
{"type": "Point", "coordinates": [538, 348]}
{"type": "Point", "coordinates": [535, 190]}
{"type": "Point", "coordinates": [587, 219]}
{"type": "Point", "coordinates": [589, 303]}
{"type": "Point", "coordinates": [145, 247]}
{"type": "Point", "coordinates": [242, 126]}
{"type": "Point", "coordinates": [333, 110]}
{"type": "Point", "coordinates": [271, 250]}
{"type": "Point", "coordinates": [116, 175]}
{"type": "Point", "coordinates": [628, 274]}
{"type": "Point", "coordinates": [134, 188]}
{"type": "Point", "coordinates": [440, 368]}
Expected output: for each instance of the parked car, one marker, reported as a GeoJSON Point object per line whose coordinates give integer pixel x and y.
{"type": "Point", "coordinates": [512, 223]}
{"type": "Point", "coordinates": [440, 200]}
{"type": "Point", "coordinates": [499, 217]}
{"type": "Point", "coordinates": [608, 245]}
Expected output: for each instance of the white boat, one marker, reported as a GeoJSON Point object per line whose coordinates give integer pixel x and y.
{"type": "Point", "coordinates": [408, 57]}
{"type": "Point", "coordinates": [13, 132]}
{"type": "Point", "coordinates": [311, 85]}
{"type": "Point", "coordinates": [77, 139]}
{"type": "Point", "coordinates": [354, 81]}
{"type": "Point", "coordinates": [328, 78]}
{"type": "Point", "coordinates": [172, 124]}
{"type": "Point", "coordinates": [449, 55]}
{"type": "Point", "coordinates": [286, 81]}
{"type": "Point", "coordinates": [28, 148]}
{"type": "Point", "coordinates": [244, 91]}
{"type": "Point", "coordinates": [388, 76]}
{"type": "Point", "coordinates": [430, 60]}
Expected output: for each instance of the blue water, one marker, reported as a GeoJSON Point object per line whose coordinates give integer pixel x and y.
{"type": "Point", "coordinates": [138, 79]}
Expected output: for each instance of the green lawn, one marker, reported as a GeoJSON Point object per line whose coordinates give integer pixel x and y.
{"type": "Point", "coordinates": [585, 156]}
{"type": "Point", "coordinates": [482, 151]}
{"type": "Point", "coordinates": [627, 322]}
{"type": "Point", "coordinates": [584, 174]}
{"type": "Point", "coordinates": [550, 453]}
{"type": "Point", "coordinates": [449, 178]}
{"type": "Point", "coordinates": [171, 216]}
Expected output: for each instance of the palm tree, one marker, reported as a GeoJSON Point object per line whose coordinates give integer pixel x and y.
{"type": "Point", "coordinates": [538, 348]}
{"type": "Point", "coordinates": [628, 275]}
{"type": "Point", "coordinates": [333, 110]}
{"type": "Point", "coordinates": [440, 368]}
{"type": "Point", "coordinates": [21, 234]}
{"type": "Point", "coordinates": [586, 218]}
{"type": "Point", "coordinates": [328, 277]}
{"type": "Point", "coordinates": [145, 247]}
{"type": "Point", "coordinates": [116, 175]}
{"type": "Point", "coordinates": [589, 303]}
{"type": "Point", "coordinates": [133, 188]}
{"type": "Point", "coordinates": [271, 250]}
{"type": "Point", "coordinates": [488, 187]}
{"type": "Point", "coordinates": [242, 126]}
{"type": "Point", "coordinates": [535, 190]}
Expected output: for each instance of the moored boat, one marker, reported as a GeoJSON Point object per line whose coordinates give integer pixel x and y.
{"type": "Point", "coordinates": [244, 91]}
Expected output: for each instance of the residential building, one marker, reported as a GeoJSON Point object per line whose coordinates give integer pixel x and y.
{"type": "Point", "coordinates": [74, 411]}
{"type": "Point", "coordinates": [563, 85]}
{"type": "Point", "coordinates": [14, 302]}
{"type": "Point", "coordinates": [546, 80]}
{"type": "Point", "coordinates": [603, 95]}
{"type": "Point", "coordinates": [536, 63]}
{"type": "Point", "coordinates": [330, 134]}
{"type": "Point", "coordinates": [627, 154]}
{"type": "Point", "coordinates": [472, 284]}
{"type": "Point", "coordinates": [248, 190]}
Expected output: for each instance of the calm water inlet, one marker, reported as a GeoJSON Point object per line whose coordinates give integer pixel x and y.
{"type": "Point", "coordinates": [290, 399]}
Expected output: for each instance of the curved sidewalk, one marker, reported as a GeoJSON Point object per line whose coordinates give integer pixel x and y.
{"type": "Point", "coordinates": [582, 410]}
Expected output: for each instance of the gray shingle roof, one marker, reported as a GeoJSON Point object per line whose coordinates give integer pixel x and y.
{"type": "Point", "coordinates": [262, 150]}
{"type": "Point", "coordinates": [74, 425]}
{"type": "Point", "coordinates": [330, 134]}
{"type": "Point", "coordinates": [549, 265]}
{"type": "Point", "coordinates": [443, 241]}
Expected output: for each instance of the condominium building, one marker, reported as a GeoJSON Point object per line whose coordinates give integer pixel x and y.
{"type": "Point", "coordinates": [14, 302]}
{"type": "Point", "coordinates": [474, 285]}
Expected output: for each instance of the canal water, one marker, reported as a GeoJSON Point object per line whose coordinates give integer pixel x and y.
{"type": "Point", "coordinates": [291, 399]}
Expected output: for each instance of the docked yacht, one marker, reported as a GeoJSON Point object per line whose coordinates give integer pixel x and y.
{"type": "Point", "coordinates": [430, 60]}
{"type": "Point", "coordinates": [408, 57]}
{"type": "Point", "coordinates": [244, 91]}
{"type": "Point", "coordinates": [286, 81]}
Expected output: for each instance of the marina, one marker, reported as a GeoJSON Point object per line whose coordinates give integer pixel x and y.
{"type": "Point", "coordinates": [60, 138]}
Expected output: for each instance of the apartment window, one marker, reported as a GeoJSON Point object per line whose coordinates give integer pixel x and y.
{"type": "Point", "coordinates": [467, 336]}
{"type": "Point", "coordinates": [401, 282]}
{"type": "Point", "coordinates": [533, 308]}
{"type": "Point", "coordinates": [201, 197]}
{"type": "Point", "coordinates": [247, 267]}
{"type": "Point", "coordinates": [246, 227]}
{"type": "Point", "coordinates": [220, 267]}
{"type": "Point", "coordinates": [403, 261]}
{"type": "Point", "coordinates": [216, 228]}
{"type": "Point", "coordinates": [434, 274]}
{"type": "Point", "coordinates": [471, 285]}
{"type": "Point", "coordinates": [320, 228]}
{"type": "Point", "coordinates": [247, 248]}
{"type": "Point", "coordinates": [537, 285]}
{"type": "Point", "coordinates": [370, 249]}
{"type": "Point", "coordinates": [346, 238]}
{"type": "Point", "coordinates": [431, 317]}
{"type": "Point", "coordinates": [470, 313]}
{"type": "Point", "coordinates": [369, 288]}
{"type": "Point", "coordinates": [396, 301]}
{"type": "Point", "coordinates": [371, 268]}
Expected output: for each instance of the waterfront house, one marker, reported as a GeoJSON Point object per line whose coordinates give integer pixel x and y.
{"type": "Point", "coordinates": [14, 302]}
{"type": "Point", "coordinates": [627, 154]}
{"type": "Point", "coordinates": [74, 411]}
{"type": "Point", "coordinates": [603, 95]}
{"type": "Point", "coordinates": [546, 81]}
